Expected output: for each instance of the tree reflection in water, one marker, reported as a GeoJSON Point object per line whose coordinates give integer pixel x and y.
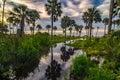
{"type": "Point", "coordinates": [53, 70]}
{"type": "Point", "coordinates": [65, 56]}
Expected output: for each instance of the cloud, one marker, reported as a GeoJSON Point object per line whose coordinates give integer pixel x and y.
{"type": "Point", "coordinates": [104, 8]}
{"type": "Point", "coordinates": [72, 8]}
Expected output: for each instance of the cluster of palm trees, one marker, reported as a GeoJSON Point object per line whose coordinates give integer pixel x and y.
{"type": "Point", "coordinates": [20, 15]}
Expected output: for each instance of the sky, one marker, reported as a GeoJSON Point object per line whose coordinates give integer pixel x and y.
{"type": "Point", "coordinates": [71, 8]}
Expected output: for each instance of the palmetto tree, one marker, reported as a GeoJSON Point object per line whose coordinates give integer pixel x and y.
{"type": "Point", "coordinates": [19, 14]}
{"type": "Point", "coordinates": [105, 21]}
{"type": "Point", "coordinates": [32, 16]}
{"type": "Point", "coordinates": [39, 27]}
{"type": "Point", "coordinates": [92, 15]}
{"type": "Point", "coordinates": [54, 28]}
{"type": "Point", "coordinates": [48, 27]}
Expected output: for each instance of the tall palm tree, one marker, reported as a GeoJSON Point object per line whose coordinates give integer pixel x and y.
{"type": "Point", "coordinates": [54, 28]}
{"type": "Point", "coordinates": [93, 15]}
{"type": "Point", "coordinates": [53, 8]}
{"type": "Point", "coordinates": [48, 27]}
{"type": "Point", "coordinates": [110, 15]}
{"type": "Point", "coordinates": [19, 13]}
{"type": "Point", "coordinates": [32, 16]}
{"type": "Point", "coordinates": [39, 27]}
{"type": "Point", "coordinates": [105, 21]}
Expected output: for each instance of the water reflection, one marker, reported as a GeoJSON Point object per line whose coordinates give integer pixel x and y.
{"type": "Point", "coordinates": [65, 56]}
{"type": "Point", "coordinates": [39, 72]}
{"type": "Point", "coordinates": [53, 70]}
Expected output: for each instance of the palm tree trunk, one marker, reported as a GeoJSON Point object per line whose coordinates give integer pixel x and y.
{"type": "Point", "coordinates": [22, 24]}
{"type": "Point", "coordinates": [90, 30]}
{"type": "Point", "coordinates": [110, 15]}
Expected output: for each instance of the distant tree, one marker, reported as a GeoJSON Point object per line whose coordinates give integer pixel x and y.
{"type": "Point", "coordinates": [54, 28]}
{"type": "Point", "coordinates": [33, 15]}
{"type": "Point", "coordinates": [31, 29]}
{"type": "Point", "coordinates": [39, 27]}
{"type": "Point", "coordinates": [80, 29]}
{"type": "Point", "coordinates": [70, 29]}
{"type": "Point", "coordinates": [92, 15]}
{"type": "Point", "coordinates": [97, 31]}
{"type": "Point", "coordinates": [105, 21]}
{"type": "Point", "coordinates": [65, 22]}
{"type": "Point", "coordinates": [77, 29]}
{"type": "Point", "coordinates": [48, 28]}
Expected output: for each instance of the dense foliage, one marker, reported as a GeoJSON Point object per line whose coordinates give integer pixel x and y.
{"type": "Point", "coordinates": [107, 53]}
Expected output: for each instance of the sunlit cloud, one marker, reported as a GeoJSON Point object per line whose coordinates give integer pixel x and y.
{"type": "Point", "coordinates": [72, 8]}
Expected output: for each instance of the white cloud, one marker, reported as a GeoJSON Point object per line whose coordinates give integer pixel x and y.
{"type": "Point", "coordinates": [104, 8]}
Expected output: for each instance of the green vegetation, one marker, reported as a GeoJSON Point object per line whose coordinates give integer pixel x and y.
{"type": "Point", "coordinates": [22, 55]}
{"type": "Point", "coordinates": [106, 47]}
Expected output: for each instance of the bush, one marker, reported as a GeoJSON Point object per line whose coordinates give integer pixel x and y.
{"type": "Point", "coordinates": [80, 67]}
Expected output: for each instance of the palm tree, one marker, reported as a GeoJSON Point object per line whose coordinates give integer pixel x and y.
{"type": "Point", "coordinates": [77, 29]}
{"type": "Point", "coordinates": [105, 21]}
{"type": "Point", "coordinates": [97, 31]}
{"type": "Point", "coordinates": [92, 15]}
{"type": "Point", "coordinates": [54, 28]}
{"type": "Point", "coordinates": [32, 16]}
{"type": "Point", "coordinates": [85, 19]}
{"type": "Point", "coordinates": [48, 27]}
{"type": "Point", "coordinates": [31, 29]}
{"type": "Point", "coordinates": [70, 29]}
{"type": "Point", "coordinates": [39, 27]}
{"type": "Point", "coordinates": [65, 22]}
{"type": "Point", "coordinates": [80, 29]}
{"type": "Point", "coordinates": [110, 15]}
{"type": "Point", "coordinates": [19, 13]}
{"type": "Point", "coordinates": [53, 8]}
{"type": "Point", "coordinates": [87, 30]}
